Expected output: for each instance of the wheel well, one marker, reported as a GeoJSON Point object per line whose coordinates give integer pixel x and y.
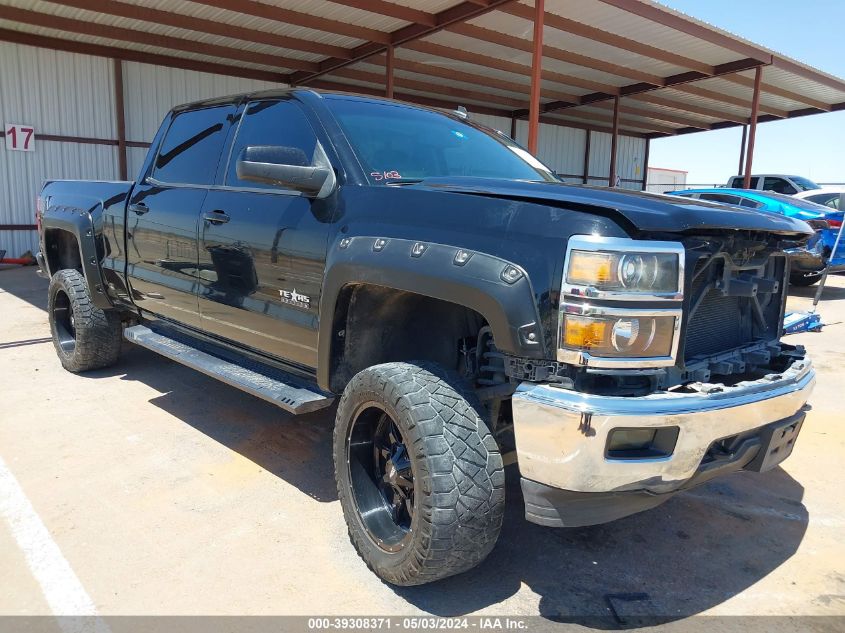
{"type": "Point", "coordinates": [374, 324]}
{"type": "Point", "coordinates": [62, 250]}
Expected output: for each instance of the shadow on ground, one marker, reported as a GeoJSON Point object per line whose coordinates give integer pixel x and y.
{"type": "Point", "coordinates": [695, 552]}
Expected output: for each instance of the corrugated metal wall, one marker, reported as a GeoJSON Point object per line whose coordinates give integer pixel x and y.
{"type": "Point", "coordinates": [150, 91]}
{"type": "Point", "coordinates": [57, 93]}
{"type": "Point", "coordinates": [69, 94]}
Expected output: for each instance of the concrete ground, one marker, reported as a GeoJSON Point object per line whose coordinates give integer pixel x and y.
{"type": "Point", "coordinates": [167, 492]}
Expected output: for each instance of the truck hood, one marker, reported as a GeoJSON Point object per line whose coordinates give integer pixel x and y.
{"type": "Point", "coordinates": [646, 212]}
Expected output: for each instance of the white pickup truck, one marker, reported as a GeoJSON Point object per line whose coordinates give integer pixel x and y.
{"type": "Point", "coordinates": [779, 183]}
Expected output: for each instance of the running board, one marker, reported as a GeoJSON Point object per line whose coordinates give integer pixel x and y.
{"type": "Point", "coordinates": [284, 390]}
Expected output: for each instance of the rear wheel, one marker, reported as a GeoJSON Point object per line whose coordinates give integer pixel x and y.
{"type": "Point", "coordinates": [419, 475]}
{"type": "Point", "coordinates": [85, 336]}
{"type": "Point", "coordinates": [802, 280]}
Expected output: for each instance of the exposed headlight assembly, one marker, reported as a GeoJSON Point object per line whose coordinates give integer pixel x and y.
{"type": "Point", "coordinates": [597, 330]}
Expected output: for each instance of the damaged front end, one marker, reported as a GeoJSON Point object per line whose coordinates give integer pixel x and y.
{"type": "Point", "coordinates": [670, 371]}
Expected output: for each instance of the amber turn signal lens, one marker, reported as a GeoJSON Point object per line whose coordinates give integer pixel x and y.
{"type": "Point", "coordinates": [590, 268]}
{"type": "Point", "coordinates": [584, 332]}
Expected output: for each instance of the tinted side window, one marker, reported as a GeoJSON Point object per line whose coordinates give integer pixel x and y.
{"type": "Point", "coordinates": [280, 123]}
{"type": "Point", "coordinates": [748, 202]}
{"type": "Point", "coordinates": [778, 185]}
{"type": "Point", "coordinates": [827, 199]}
{"type": "Point", "coordinates": [720, 197]}
{"type": "Point", "coordinates": [191, 148]}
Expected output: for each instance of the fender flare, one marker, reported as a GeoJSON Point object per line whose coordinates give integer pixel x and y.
{"type": "Point", "coordinates": [80, 218]}
{"type": "Point", "coordinates": [509, 308]}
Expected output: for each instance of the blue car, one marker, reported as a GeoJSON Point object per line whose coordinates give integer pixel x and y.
{"type": "Point", "coordinates": [807, 264]}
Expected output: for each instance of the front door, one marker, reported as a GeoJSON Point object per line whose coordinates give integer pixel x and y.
{"type": "Point", "coordinates": [162, 218]}
{"type": "Point", "coordinates": [263, 248]}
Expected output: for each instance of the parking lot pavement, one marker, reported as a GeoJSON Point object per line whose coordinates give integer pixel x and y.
{"type": "Point", "coordinates": [167, 492]}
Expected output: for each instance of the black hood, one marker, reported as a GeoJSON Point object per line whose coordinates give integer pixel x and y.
{"type": "Point", "coordinates": [647, 212]}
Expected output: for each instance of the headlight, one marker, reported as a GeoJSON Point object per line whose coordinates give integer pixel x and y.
{"type": "Point", "coordinates": [600, 273]}
{"type": "Point", "coordinates": [619, 336]}
{"type": "Point", "coordinates": [610, 268]}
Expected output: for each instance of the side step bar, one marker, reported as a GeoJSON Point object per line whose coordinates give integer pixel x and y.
{"type": "Point", "coordinates": [283, 390]}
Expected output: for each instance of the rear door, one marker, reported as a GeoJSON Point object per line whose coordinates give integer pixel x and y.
{"type": "Point", "coordinates": [263, 247]}
{"type": "Point", "coordinates": [163, 214]}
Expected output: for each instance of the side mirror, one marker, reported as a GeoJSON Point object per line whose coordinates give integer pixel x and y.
{"type": "Point", "coordinates": [287, 167]}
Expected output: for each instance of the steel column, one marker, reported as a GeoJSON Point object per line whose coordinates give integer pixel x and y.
{"type": "Point", "coordinates": [755, 111]}
{"type": "Point", "coordinates": [388, 66]}
{"type": "Point", "coordinates": [645, 164]}
{"type": "Point", "coordinates": [536, 75]}
{"type": "Point", "coordinates": [742, 150]}
{"type": "Point", "coordinates": [586, 177]}
{"type": "Point", "coordinates": [614, 137]}
{"type": "Point", "coordinates": [120, 119]}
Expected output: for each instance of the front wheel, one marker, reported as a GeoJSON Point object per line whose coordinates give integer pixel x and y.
{"type": "Point", "coordinates": [419, 475]}
{"type": "Point", "coordinates": [85, 336]}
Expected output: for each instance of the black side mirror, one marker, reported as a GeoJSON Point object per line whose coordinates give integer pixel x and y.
{"type": "Point", "coordinates": [286, 167]}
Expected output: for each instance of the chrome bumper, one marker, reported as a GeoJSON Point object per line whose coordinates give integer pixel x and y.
{"type": "Point", "coordinates": [561, 435]}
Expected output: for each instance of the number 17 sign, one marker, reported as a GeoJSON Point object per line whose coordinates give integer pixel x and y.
{"type": "Point", "coordinates": [20, 137]}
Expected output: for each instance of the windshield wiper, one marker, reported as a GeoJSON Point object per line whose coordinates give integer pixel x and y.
{"type": "Point", "coordinates": [403, 181]}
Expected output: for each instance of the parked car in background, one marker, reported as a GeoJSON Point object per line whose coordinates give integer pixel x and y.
{"type": "Point", "coordinates": [779, 183]}
{"type": "Point", "coordinates": [807, 262]}
{"type": "Point", "coordinates": [826, 196]}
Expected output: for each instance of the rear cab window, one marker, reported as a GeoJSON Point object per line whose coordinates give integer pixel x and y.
{"type": "Point", "coordinates": [190, 150]}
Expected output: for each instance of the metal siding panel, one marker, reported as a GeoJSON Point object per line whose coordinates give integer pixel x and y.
{"type": "Point", "coordinates": [23, 173]}
{"type": "Point", "coordinates": [562, 148]}
{"type": "Point", "coordinates": [57, 92]}
{"type": "Point", "coordinates": [150, 91]}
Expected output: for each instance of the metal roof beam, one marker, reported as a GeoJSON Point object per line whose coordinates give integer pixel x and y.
{"type": "Point", "coordinates": [573, 27]}
{"type": "Point", "coordinates": [657, 115]}
{"type": "Point", "coordinates": [288, 16]}
{"type": "Point", "coordinates": [470, 78]}
{"type": "Point", "coordinates": [457, 13]}
{"type": "Point", "coordinates": [687, 25]}
{"type": "Point", "coordinates": [199, 25]}
{"type": "Point", "coordinates": [392, 10]}
{"type": "Point", "coordinates": [780, 92]}
{"type": "Point", "coordinates": [719, 115]}
{"type": "Point", "coordinates": [424, 86]}
{"type": "Point", "coordinates": [54, 43]}
{"type": "Point", "coordinates": [808, 73]}
{"type": "Point", "coordinates": [723, 98]}
{"type": "Point", "coordinates": [521, 44]}
{"type": "Point", "coordinates": [151, 39]}
{"type": "Point", "coordinates": [456, 54]}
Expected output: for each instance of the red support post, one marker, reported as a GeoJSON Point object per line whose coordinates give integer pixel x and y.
{"type": "Point", "coordinates": [645, 164]}
{"type": "Point", "coordinates": [586, 176]}
{"type": "Point", "coordinates": [388, 92]}
{"type": "Point", "coordinates": [536, 77]}
{"type": "Point", "coordinates": [614, 137]}
{"type": "Point", "coordinates": [752, 133]}
{"type": "Point", "coordinates": [120, 119]}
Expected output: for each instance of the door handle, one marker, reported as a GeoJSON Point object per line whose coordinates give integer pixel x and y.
{"type": "Point", "coordinates": [216, 217]}
{"type": "Point", "coordinates": [138, 208]}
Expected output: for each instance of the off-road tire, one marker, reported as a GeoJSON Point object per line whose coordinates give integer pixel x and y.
{"type": "Point", "coordinates": [458, 472]}
{"type": "Point", "coordinates": [802, 281]}
{"type": "Point", "coordinates": [96, 333]}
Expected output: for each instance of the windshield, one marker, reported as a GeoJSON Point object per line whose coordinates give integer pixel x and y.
{"type": "Point", "coordinates": [399, 142]}
{"type": "Point", "coordinates": [804, 184]}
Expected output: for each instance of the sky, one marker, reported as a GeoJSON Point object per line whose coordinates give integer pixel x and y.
{"type": "Point", "coordinates": [813, 32]}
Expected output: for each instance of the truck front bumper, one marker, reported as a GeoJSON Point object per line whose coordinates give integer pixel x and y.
{"type": "Point", "coordinates": [562, 436]}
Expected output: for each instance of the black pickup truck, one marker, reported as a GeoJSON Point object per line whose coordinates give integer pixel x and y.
{"type": "Point", "coordinates": [461, 302]}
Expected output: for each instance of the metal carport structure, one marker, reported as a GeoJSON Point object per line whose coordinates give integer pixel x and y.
{"type": "Point", "coordinates": [618, 67]}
